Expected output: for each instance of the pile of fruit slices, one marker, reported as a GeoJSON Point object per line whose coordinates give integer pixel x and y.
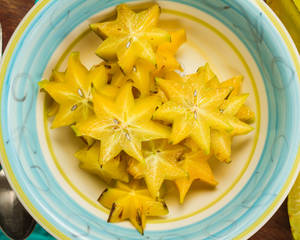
{"type": "Point", "coordinates": [142, 121]}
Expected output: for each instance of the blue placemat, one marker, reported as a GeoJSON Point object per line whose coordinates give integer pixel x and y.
{"type": "Point", "coordinates": [38, 234]}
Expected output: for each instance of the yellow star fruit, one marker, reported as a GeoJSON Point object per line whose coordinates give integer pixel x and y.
{"type": "Point", "coordinates": [89, 161]}
{"type": "Point", "coordinates": [123, 124]}
{"type": "Point", "coordinates": [193, 109]}
{"type": "Point", "coordinates": [74, 91]}
{"type": "Point", "coordinates": [197, 167]}
{"type": "Point", "coordinates": [131, 202]}
{"type": "Point", "coordinates": [160, 164]}
{"type": "Point", "coordinates": [131, 36]}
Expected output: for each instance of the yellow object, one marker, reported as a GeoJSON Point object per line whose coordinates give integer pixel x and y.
{"type": "Point", "coordinates": [131, 36]}
{"type": "Point", "coordinates": [294, 209]}
{"type": "Point", "coordinates": [289, 13]}
{"type": "Point", "coordinates": [89, 161]}
{"type": "Point", "coordinates": [197, 167]}
{"type": "Point", "coordinates": [123, 124]}
{"type": "Point", "coordinates": [193, 109]}
{"type": "Point", "coordinates": [141, 77]}
{"type": "Point", "coordinates": [221, 140]}
{"type": "Point", "coordinates": [165, 54]}
{"type": "Point", "coordinates": [160, 164]}
{"type": "Point", "coordinates": [73, 91]}
{"type": "Point", "coordinates": [131, 202]}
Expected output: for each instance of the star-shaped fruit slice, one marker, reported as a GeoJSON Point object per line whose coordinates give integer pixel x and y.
{"type": "Point", "coordinates": [193, 109]}
{"type": "Point", "coordinates": [221, 140]}
{"type": "Point", "coordinates": [89, 161]}
{"type": "Point", "coordinates": [73, 91]}
{"type": "Point", "coordinates": [123, 124]}
{"type": "Point", "coordinates": [131, 36]}
{"type": "Point", "coordinates": [160, 164]}
{"type": "Point", "coordinates": [166, 52]}
{"type": "Point", "coordinates": [131, 202]}
{"type": "Point", "coordinates": [197, 167]}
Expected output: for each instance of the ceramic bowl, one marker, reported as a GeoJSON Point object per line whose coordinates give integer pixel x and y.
{"type": "Point", "coordinates": [236, 38]}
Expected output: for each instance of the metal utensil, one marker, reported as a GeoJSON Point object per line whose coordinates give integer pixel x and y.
{"type": "Point", "coordinates": [15, 221]}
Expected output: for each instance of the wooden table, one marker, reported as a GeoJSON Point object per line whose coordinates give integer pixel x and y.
{"type": "Point", "coordinates": [12, 12]}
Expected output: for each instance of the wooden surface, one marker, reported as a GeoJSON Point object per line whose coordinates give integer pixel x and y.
{"type": "Point", "coordinates": [12, 12]}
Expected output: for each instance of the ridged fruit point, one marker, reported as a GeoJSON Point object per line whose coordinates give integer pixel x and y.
{"type": "Point", "coordinates": [221, 140]}
{"type": "Point", "coordinates": [141, 77]}
{"type": "Point", "coordinates": [166, 52]}
{"type": "Point", "coordinates": [73, 91]}
{"type": "Point", "coordinates": [132, 202]}
{"type": "Point", "coordinates": [131, 36]}
{"type": "Point", "coordinates": [160, 164]}
{"type": "Point", "coordinates": [89, 161]}
{"type": "Point", "coordinates": [123, 124]}
{"type": "Point", "coordinates": [245, 114]}
{"type": "Point", "coordinates": [197, 166]}
{"type": "Point", "coordinates": [294, 209]}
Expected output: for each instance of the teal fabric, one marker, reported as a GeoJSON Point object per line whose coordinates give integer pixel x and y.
{"type": "Point", "coordinates": [38, 234]}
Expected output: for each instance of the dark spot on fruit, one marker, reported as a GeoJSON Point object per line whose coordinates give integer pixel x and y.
{"type": "Point", "coordinates": [139, 218]}
{"type": "Point", "coordinates": [113, 208]}
{"type": "Point", "coordinates": [105, 190]}
{"type": "Point", "coordinates": [136, 93]}
{"type": "Point", "coordinates": [90, 146]}
{"type": "Point", "coordinates": [121, 214]}
{"type": "Point", "coordinates": [228, 95]}
{"type": "Point", "coordinates": [180, 158]}
{"type": "Point", "coordinates": [107, 66]}
{"type": "Point", "coordinates": [83, 139]}
{"type": "Point", "coordinates": [165, 205]}
{"type": "Point", "coordinates": [122, 71]}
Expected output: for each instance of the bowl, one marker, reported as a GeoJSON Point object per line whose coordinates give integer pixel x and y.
{"type": "Point", "coordinates": [235, 37]}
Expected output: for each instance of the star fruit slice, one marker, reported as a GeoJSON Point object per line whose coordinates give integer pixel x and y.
{"type": "Point", "coordinates": [73, 91]}
{"type": "Point", "coordinates": [89, 161]}
{"type": "Point", "coordinates": [160, 164]}
{"type": "Point", "coordinates": [197, 167]}
{"type": "Point", "coordinates": [123, 124]}
{"type": "Point", "coordinates": [131, 202]}
{"type": "Point", "coordinates": [131, 36]}
{"type": "Point", "coordinates": [193, 109]}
